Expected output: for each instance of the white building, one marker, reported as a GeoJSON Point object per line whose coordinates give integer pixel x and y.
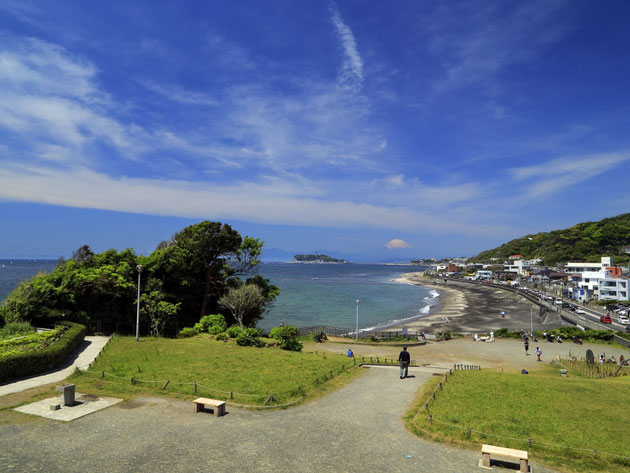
{"type": "Point", "coordinates": [581, 267]}
{"type": "Point", "coordinates": [483, 275]}
{"type": "Point", "coordinates": [521, 267]}
{"type": "Point", "coordinates": [614, 288]}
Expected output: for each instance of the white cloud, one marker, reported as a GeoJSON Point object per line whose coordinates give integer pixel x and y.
{"type": "Point", "coordinates": [271, 202]}
{"type": "Point", "coordinates": [557, 174]}
{"type": "Point", "coordinates": [397, 244]}
{"type": "Point", "coordinates": [490, 40]}
{"type": "Point", "coordinates": [351, 75]}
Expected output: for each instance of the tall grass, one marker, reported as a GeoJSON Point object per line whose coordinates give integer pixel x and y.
{"type": "Point", "coordinates": [556, 413]}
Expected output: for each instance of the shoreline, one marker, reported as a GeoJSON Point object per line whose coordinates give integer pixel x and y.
{"type": "Point", "coordinates": [470, 308]}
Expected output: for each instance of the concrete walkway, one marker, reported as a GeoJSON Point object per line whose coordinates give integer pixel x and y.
{"type": "Point", "coordinates": [356, 429]}
{"type": "Point", "coordinates": [81, 358]}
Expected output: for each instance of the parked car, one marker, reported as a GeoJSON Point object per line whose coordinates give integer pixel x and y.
{"type": "Point", "coordinates": [623, 319]}
{"type": "Point", "coordinates": [580, 311]}
{"type": "Point", "coordinates": [605, 319]}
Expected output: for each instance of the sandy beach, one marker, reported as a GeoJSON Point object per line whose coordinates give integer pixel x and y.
{"type": "Point", "coordinates": [471, 308]}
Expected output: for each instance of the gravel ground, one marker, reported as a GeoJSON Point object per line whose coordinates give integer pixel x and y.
{"type": "Point", "coordinates": [355, 429]}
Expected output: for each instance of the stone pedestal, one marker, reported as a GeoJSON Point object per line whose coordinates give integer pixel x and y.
{"type": "Point", "coordinates": [68, 393]}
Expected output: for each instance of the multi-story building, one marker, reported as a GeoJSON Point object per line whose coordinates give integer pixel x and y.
{"type": "Point", "coordinates": [614, 288]}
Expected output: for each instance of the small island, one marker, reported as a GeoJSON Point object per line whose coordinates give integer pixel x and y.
{"type": "Point", "coordinates": [317, 259]}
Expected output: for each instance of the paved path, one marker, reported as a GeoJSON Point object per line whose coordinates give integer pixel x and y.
{"type": "Point", "coordinates": [356, 429]}
{"type": "Point", "coordinates": [81, 358]}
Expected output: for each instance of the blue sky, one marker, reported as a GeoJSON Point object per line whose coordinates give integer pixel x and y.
{"type": "Point", "coordinates": [445, 127]}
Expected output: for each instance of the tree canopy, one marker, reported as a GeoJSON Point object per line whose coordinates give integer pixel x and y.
{"type": "Point", "coordinates": [182, 280]}
{"type": "Point", "coordinates": [586, 241]}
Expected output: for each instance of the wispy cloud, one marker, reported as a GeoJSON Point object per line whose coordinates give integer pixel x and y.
{"type": "Point", "coordinates": [268, 203]}
{"type": "Point", "coordinates": [557, 174]}
{"type": "Point", "coordinates": [476, 51]}
{"type": "Point", "coordinates": [351, 75]}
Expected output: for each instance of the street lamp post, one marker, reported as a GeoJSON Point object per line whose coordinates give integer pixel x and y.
{"type": "Point", "coordinates": [139, 268]}
{"type": "Point", "coordinates": [356, 331]}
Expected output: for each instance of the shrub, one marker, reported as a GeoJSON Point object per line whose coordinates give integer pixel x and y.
{"type": "Point", "coordinates": [26, 363]}
{"type": "Point", "coordinates": [249, 338]}
{"type": "Point", "coordinates": [234, 331]}
{"type": "Point", "coordinates": [223, 337]}
{"type": "Point", "coordinates": [213, 320]}
{"type": "Point", "coordinates": [320, 337]}
{"type": "Point", "coordinates": [187, 332]}
{"type": "Point", "coordinates": [215, 329]}
{"type": "Point", "coordinates": [287, 337]}
{"type": "Point", "coordinates": [16, 329]}
{"type": "Point", "coordinates": [198, 327]}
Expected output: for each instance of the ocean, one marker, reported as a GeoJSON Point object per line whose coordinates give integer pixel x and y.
{"type": "Point", "coordinates": [310, 294]}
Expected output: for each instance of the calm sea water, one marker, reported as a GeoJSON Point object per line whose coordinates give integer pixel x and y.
{"type": "Point", "coordinates": [310, 294]}
{"type": "Point", "coordinates": [313, 294]}
{"type": "Point", "coordinates": [12, 272]}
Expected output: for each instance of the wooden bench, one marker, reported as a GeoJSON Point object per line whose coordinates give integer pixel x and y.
{"type": "Point", "coordinates": [217, 406]}
{"type": "Point", "coordinates": [520, 455]}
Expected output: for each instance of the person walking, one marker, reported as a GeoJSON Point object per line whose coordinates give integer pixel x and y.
{"type": "Point", "coordinates": [404, 359]}
{"type": "Point", "coordinates": [526, 341]}
{"type": "Point", "coordinates": [538, 353]}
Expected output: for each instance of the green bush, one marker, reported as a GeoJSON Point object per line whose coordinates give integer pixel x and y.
{"type": "Point", "coordinates": [187, 332]}
{"type": "Point", "coordinates": [234, 331]}
{"type": "Point", "coordinates": [249, 338]}
{"type": "Point", "coordinates": [16, 329]}
{"type": "Point", "coordinates": [287, 337]}
{"type": "Point", "coordinates": [15, 365]}
{"type": "Point", "coordinates": [198, 327]}
{"type": "Point", "coordinates": [320, 337]}
{"type": "Point", "coordinates": [215, 329]}
{"type": "Point", "coordinates": [222, 337]}
{"type": "Point", "coordinates": [213, 320]}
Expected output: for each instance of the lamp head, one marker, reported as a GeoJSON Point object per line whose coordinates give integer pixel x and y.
{"type": "Point", "coordinates": [139, 268]}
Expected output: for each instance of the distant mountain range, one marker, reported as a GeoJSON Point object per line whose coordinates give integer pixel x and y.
{"type": "Point", "coordinates": [586, 241]}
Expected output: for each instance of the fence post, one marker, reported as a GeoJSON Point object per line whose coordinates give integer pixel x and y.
{"type": "Point", "coordinates": [426, 406]}
{"type": "Point", "coordinates": [430, 419]}
{"type": "Point", "coordinates": [440, 386]}
{"type": "Point", "coordinates": [195, 387]}
{"type": "Point", "coordinates": [434, 395]}
{"type": "Point", "coordinates": [343, 367]}
{"type": "Point", "coordinates": [231, 395]}
{"type": "Point", "coordinates": [330, 372]}
{"type": "Point", "coordinates": [103, 374]}
{"type": "Point", "coordinates": [529, 443]}
{"type": "Point", "coordinates": [469, 432]}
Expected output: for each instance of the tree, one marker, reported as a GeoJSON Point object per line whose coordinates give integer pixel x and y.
{"type": "Point", "coordinates": [242, 302]}
{"type": "Point", "coordinates": [155, 308]}
{"type": "Point", "coordinates": [196, 263]}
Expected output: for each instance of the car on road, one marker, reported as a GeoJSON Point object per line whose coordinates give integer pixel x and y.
{"type": "Point", "coordinates": [605, 319]}
{"type": "Point", "coordinates": [580, 311]}
{"type": "Point", "coordinates": [623, 319]}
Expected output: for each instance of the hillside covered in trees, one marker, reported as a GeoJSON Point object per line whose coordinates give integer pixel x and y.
{"type": "Point", "coordinates": [586, 241]}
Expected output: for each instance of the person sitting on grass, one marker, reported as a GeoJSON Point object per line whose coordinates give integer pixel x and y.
{"type": "Point", "coordinates": [350, 354]}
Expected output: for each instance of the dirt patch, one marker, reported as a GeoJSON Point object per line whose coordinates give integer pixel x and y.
{"type": "Point", "coordinates": [133, 404]}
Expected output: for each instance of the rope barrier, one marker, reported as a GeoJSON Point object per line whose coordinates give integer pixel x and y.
{"type": "Point", "coordinates": [529, 441]}
{"type": "Point", "coordinates": [300, 390]}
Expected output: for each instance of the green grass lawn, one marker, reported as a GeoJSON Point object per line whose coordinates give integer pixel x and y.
{"type": "Point", "coordinates": [218, 368]}
{"type": "Point", "coordinates": [506, 409]}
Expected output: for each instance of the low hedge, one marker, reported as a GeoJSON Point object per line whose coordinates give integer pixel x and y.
{"type": "Point", "coordinates": [19, 365]}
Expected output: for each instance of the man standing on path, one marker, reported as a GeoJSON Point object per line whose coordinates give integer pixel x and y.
{"type": "Point", "coordinates": [404, 360]}
{"type": "Point", "coordinates": [538, 353]}
{"type": "Point", "coordinates": [526, 340]}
